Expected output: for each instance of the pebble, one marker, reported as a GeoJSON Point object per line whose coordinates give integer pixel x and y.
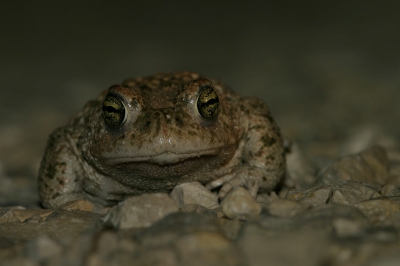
{"type": "Point", "coordinates": [239, 203]}
{"type": "Point", "coordinates": [313, 196]}
{"type": "Point", "coordinates": [352, 192]}
{"type": "Point", "coordinates": [160, 256]}
{"type": "Point", "coordinates": [77, 250]}
{"type": "Point", "coordinates": [78, 205]}
{"type": "Point", "coordinates": [42, 248]}
{"type": "Point", "coordinates": [110, 248]}
{"type": "Point", "coordinates": [323, 217]}
{"type": "Point", "coordinates": [286, 208]}
{"type": "Point", "coordinates": [302, 247]}
{"type": "Point", "coordinates": [11, 214]}
{"type": "Point", "coordinates": [58, 225]}
{"type": "Point", "coordinates": [264, 199]}
{"type": "Point", "coordinates": [207, 248]}
{"type": "Point", "coordinates": [344, 227]}
{"type": "Point", "coordinates": [7, 216]}
{"type": "Point", "coordinates": [140, 211]}
{"type": "Point", "coordinates": [382, 234]}
{"type": "Point", "coordinates": [84, 205]}
{"type": "Point", "coordinates": [369, 166]}
{"type": "Point", "coordinates": [194, 208]}
{"type": "Point", "coordinates": [32, 215]}
{"type": "Point", "coordinates": [231, 228]}
{"type": "Point", "coordinates": [194, 193]}
{"type": "Point", "coordinates": [390, 190]}
{"type": "Point", "coordinates": [171, 227]}
{"type": "Point", "coordinates": [379, 209]}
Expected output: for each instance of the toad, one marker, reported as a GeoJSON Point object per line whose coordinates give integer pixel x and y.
{"type": "Point", "coordinates": [150, 134]}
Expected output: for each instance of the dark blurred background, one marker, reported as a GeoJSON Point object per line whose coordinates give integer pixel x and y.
{"type": "Point", "coordinates": [323, 67]}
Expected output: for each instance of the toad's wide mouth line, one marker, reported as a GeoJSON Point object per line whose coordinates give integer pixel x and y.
{"type": "Point", "coordinates": [161, 158]}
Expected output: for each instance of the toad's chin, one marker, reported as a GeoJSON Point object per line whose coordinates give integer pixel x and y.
{"type": "Point", "coordinates": [136, 173]}
{"type": "Point", "coordinates": [164, 170]}
{"type": "Point", "coordinates": [161, 158]}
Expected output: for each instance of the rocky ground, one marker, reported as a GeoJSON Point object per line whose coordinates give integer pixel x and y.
{"type": "Point", "coordinates": [347, 213]}
{"type": "Point", "coordinates": [329, 72]}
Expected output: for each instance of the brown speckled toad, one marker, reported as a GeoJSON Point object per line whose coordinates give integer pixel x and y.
{"type": "Point", "coordinates": [150, 134]}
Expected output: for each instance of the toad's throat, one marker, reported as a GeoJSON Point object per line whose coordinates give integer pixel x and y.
{"type": "Point", "coordinates": [161, 158]}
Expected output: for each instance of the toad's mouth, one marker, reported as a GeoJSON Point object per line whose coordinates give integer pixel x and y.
{"type": "Point", "coordinates": [162, 158]}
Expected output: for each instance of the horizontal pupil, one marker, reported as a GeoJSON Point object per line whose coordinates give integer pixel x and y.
{"type": "Point", "coordinates": [111, 109]}
{"type": "Point", "coordinates": [211, 101]}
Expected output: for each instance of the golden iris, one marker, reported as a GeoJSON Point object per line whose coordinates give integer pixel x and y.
{"type": "Point", "coordinates": [208, 103]}
{"type": "Point", "coordinates": [113, 111]}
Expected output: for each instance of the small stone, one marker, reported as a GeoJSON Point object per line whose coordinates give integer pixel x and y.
{"type": "Point", "coordinates": [391, 190]}
{"type": "Point", "coordinates": [239, 203]}
{"type": "Point", "coordinates": [42, 248]}
{"type": "Point", "coordinates": [194, 193]}
{"type": "Point", "coordinates": [194, 208]}
{"type": "Point", "coordinates": [140, 211]}
{"type": "Point", "coordinates": [274, 224]}
{"type": "Point", "coordinates": [167, 230]}
{"type": "Point", "coordinates": [313, 196]}
{"type": "Point", "coordinates": [283, 192]}
{"type": "Point", "coordinates": [383, 234]}
{"type": "Point", "coordinates": [78, 205]}
{"type": "Point", "coordinates": [323, 216]}
{"type": "Point", "coordinates": [369, 166]}
{"type": "Point", "coordinates": [7, 216]}
{"type": "Point", "coordinates": [207, 248]}
{"type": "Point", "coordinates": [58, 225]}
{"type": "Point", "coordinates": [76, 252]}
{"type": "Point", "coordinates": [264, 199]}
{"type": "Point", "coordinates": [15, 214]}
{"type": "Point", "coordinates": [107, 242]}
{"type": "Point", "coordinates": [379, 209]}
{"type": "Point", "coordinates": [110, 247]}
{"type": "Point", "coordinates": [63, 223]}
{"type": "Point", "coordinates": [231, 228]}
{"type": "Point", "coordinates": [286, 208]}
{"type": "Point", "coordinates": [25, 215]}
{"type": "Point", "coordinates": [160, 256]}
{"type": "Point", "coordinates": [352, 192]}
{"type": "Point", "coordinates": [291, 247]}
{"type": "Point", "coordinates": [391, 221]}
{"type": "Point", "coordinates": [347, 227]}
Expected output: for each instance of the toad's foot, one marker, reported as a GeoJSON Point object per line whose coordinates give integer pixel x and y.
{"type": "Point", "coordinates": [250, 177]}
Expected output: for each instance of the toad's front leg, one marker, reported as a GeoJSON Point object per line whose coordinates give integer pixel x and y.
{"type": "Point", "coordinates": [60, 174]}
{"type": "Point", "coordinates": [261, 162]}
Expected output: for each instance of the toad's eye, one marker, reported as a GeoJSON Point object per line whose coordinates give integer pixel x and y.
{"type": "Point", "coordinates": [208, 103]}
{"type": "Point", "coordinates": [113, 111]}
